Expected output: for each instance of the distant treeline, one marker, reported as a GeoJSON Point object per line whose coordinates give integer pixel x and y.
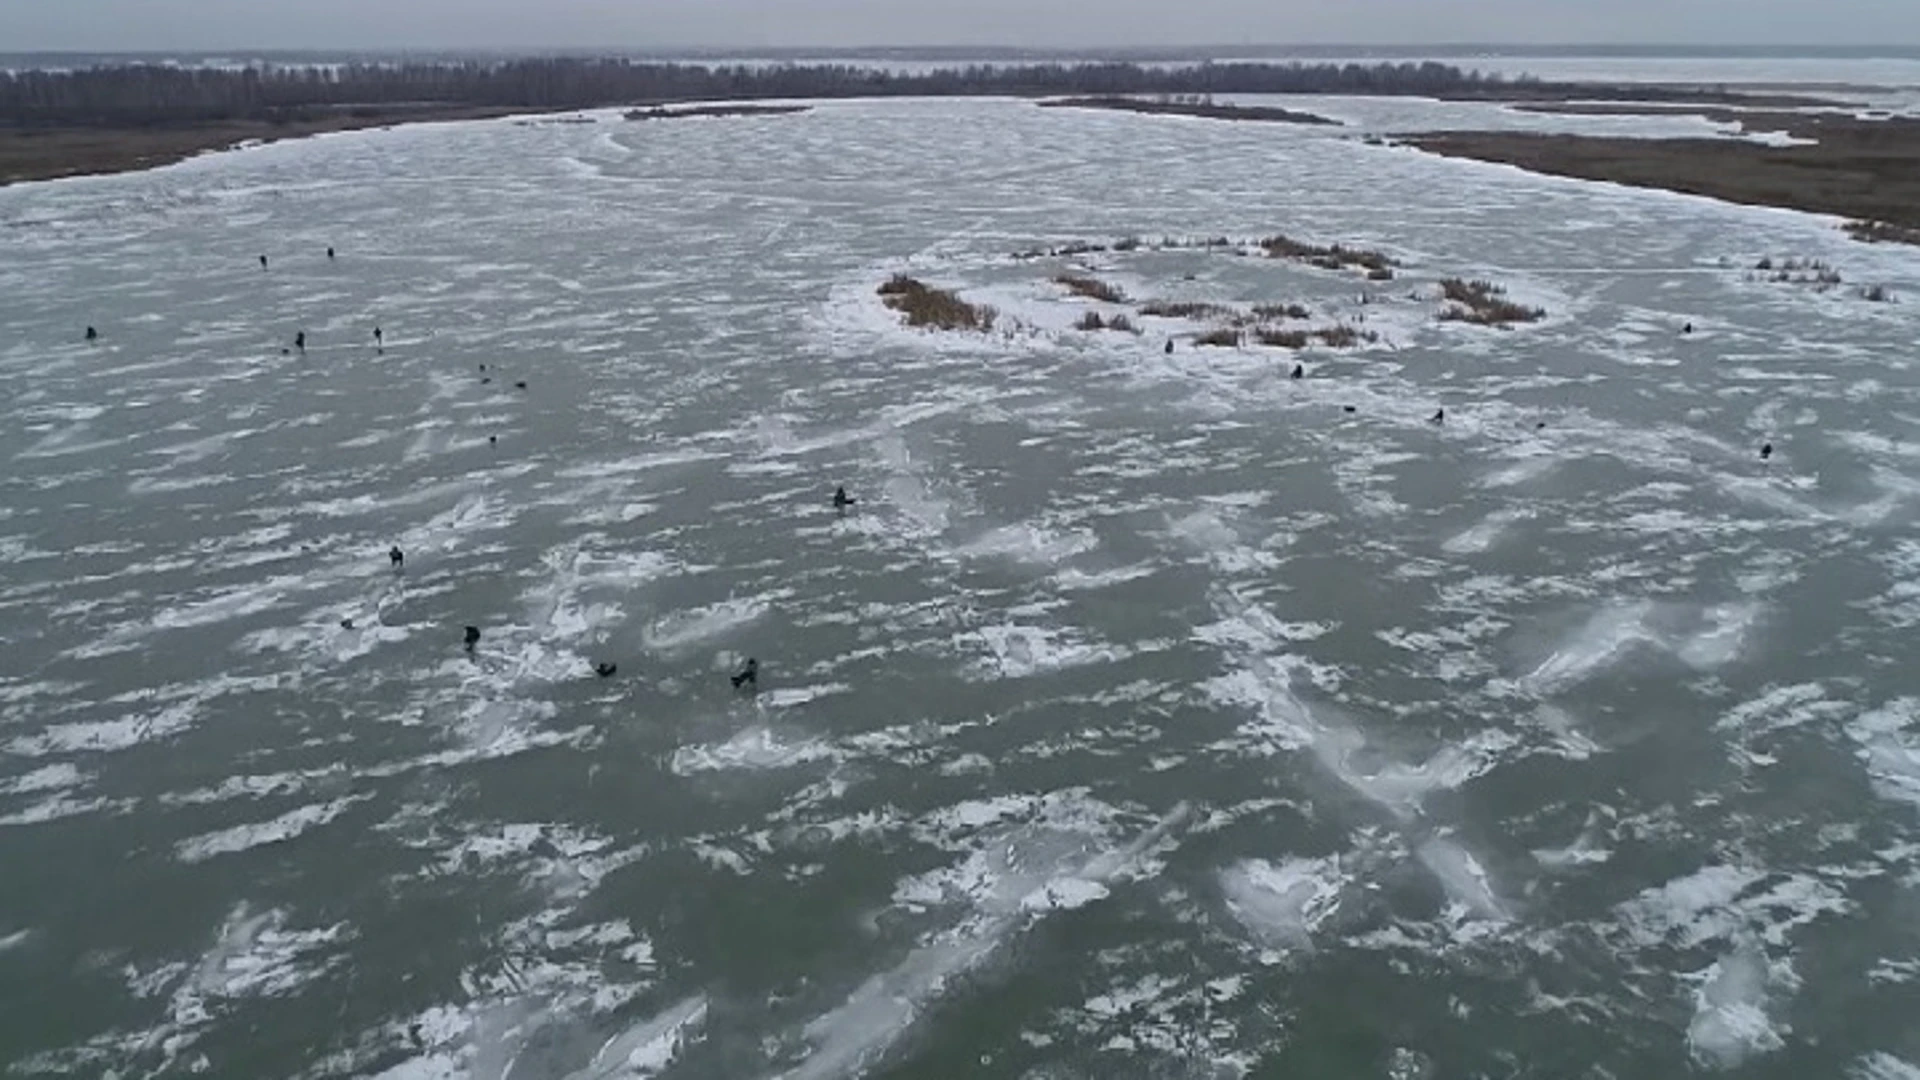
{"type": "Point", "coordinates": [152, 95]}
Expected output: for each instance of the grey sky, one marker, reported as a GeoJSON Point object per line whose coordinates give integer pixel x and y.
{"type": "Point", "coordinates": [324, 24]}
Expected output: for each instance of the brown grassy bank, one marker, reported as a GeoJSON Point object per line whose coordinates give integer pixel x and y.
{"type": "Point", "coordinates": [43, 153]}
{"type": "Point", "coordinates": [1868, 170]}
{"type": "Point", "coordinates": [1204, 110]}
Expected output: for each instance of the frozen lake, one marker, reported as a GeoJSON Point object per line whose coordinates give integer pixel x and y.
{"type": "Point", "coordinates": [1152, 715]}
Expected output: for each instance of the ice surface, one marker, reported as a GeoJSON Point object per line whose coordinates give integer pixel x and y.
{"type": "Point", "coordinates": [1628, 702]}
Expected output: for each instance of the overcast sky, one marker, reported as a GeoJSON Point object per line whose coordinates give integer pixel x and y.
{"type": "Point", "coordinates": [327, 24]}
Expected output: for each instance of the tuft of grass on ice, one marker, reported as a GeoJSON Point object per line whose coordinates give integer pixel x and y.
{"type": "Point", "coordinates": [1090, 287]}
{"type": "Point", "coordinates": [931, 308]}
{"type": "Point", "coordinates": [1330, 257]}
{"type": "Point", "coordinates": [1882, 232]}
{"type": "Point", "coordinates": [1281, 311]}
{"type": "Point", "coordinates": [1484, 304]}
{"type": "Point", "coordinates": [1187, 309]}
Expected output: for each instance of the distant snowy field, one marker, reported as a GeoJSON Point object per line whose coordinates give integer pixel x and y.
{"type": "Point", "coordinates": [1152, 714]}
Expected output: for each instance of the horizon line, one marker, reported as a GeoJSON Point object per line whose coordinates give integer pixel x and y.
{"type": "Point", "coordinates": [744, 50]}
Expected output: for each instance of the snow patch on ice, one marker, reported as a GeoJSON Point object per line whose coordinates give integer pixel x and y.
{"type": "Point", "coordinates": [259, 834]}
{"type": "Point", "coordinates": [1284, 904]}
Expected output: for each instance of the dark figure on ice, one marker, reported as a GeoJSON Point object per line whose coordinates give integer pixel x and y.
{"type": "Point", "coordinates": [300, 341]}
{"type": "Point", "coordinates": [1348, 408]}
{"type": "Point", "coordinates": [263, 262]}
{"type": "Point", "coordinates": [1766, 451]}
{"type": "Point", "coordinates": [396, 557]}
{"type": "Point", "coordinates": [329, 253]}
{"type": "Point", "coordinates": [749, 677]}
{"type": "Point", "coordinates": [377, 339]}
{"type": "Point", "coordinates": [1687, 329]}
{"type": "Point", "coordinates": [1169, 346]}
{"type": "Point", "coordinates": [92, 334]}
{"type": "Point", "coordinates": [346, 624]}
{"type": "Point", "coordinates": [521, 385]}
{"type": "Point", "coordinates": [473, 637]}
{"type": "Point", "coordinates": [1439, 416]}
{"type": "Point", "coordinates": [604, 669]}
{"type": "Point", "coordinates": [1299, 372]}
{"type": "Point", "coordinates": [842, 500]}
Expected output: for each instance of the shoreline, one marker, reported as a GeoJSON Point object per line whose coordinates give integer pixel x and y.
{"type": "Point", "coordinates": [1865, 171]}
{"type": "Point", "coordinates": [33, 155]}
